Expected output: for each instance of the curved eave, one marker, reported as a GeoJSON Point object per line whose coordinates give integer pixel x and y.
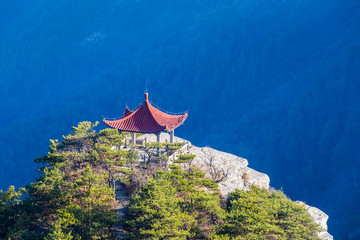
{"type": "Point", "coordinates": [183, 118]}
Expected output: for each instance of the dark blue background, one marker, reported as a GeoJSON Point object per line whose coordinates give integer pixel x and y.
{"type": "Point", "coordinates": [276, 82]}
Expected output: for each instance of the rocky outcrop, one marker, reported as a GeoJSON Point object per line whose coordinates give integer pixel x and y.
{"type": "Point", "coordinates": [235, 171]}
{"type": "Point", "coordinates": [320, 218]}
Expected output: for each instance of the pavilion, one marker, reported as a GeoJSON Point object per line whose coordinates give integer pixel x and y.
{"type": "Point", "coordinates": [147, 119]}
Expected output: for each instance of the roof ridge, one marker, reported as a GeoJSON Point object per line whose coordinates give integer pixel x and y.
{"type": "Point", "coordinates": [152, 114]}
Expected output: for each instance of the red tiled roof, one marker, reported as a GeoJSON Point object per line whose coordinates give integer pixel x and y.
{"type": "Point", "coordinates": [146, 119]}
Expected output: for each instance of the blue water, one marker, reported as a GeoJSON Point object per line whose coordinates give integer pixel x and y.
{"type": "Point", "coordinates": [276, 82]}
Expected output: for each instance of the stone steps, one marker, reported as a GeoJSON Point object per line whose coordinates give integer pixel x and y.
{"type": "Point", "coordinates": [122, 201]}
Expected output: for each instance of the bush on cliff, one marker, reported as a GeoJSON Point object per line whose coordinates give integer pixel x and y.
{"type": "Point", "coordinates": [260, 214]}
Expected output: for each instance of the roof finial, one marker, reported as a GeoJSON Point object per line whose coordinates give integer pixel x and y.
{"type": "Point", "coordinates": [146, 86]}
{"type": "Point", "coordinates": [146, 96]}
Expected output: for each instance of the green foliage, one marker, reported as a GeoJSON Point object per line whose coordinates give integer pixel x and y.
{"type": "Point", "coordinates": [11, 196]}
{"type": "Point", "coordinates": [73, 197]}
{"type": "Point", "coordinates": [184, 158]}
{"type": "Point", "coordinates": [9, 205]}
{"type": "Point", "coordinates": [83, 128]}
{"type": "Point", "coordinates": [259, 214]}
{"type": "Point", "coordinates": [152, 149]}
{"type": "Point", "coordinates": [126, 171]}
{"type": "Point", "coordinates": [125, 175]}
{"type": "Point", "coordinates": [61, 209]}
{"type": "Point", "coordinates": [83, 146]}
{"type": "Point", "coordinates": [132, 157]}
{"type": "Point", "coordinates": [90, 208]}
{"type": "Point", "coordinates": [154, 145]}
{"type": "Point", "coordinates": [57, 231]}
{"type": "Point", "coordinates": [170, 148]}
{"type": "Point", "coordinates": [155, 213]}
{"type": "Point", "coordinates": [173, 205]}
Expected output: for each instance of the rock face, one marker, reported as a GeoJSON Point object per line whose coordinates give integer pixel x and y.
{"type": "Point", "coordinates": [235, 173]}
{"type": "Point", "coordinates": [320, 218]}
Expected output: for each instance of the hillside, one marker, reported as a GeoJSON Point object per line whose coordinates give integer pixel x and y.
{"type": "Point", "coordinates": [94, 186]}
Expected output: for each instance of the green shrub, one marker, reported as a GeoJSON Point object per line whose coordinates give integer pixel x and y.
{"type": "Point", "coordinates": [260, 214]}
{"type": "Point", "coordinates": [126, 171]}
{"type": "Point", "coordinates": [184, 158]}
{"type": "Point", "coordinates": [173, 205]}
{"type": "Point", "coordinates": [132, 157]}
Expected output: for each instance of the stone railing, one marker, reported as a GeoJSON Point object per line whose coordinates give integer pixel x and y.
{"type": "Point", "coordinates": [177, 153]}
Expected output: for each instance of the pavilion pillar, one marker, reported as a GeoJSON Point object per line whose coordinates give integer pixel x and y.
{"type": "Point", "coordinates": [134, 138]}
{"type": "Point", "coordinates": [158, 140]}
{"type": "Point", "coordinates": [172, 136]}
